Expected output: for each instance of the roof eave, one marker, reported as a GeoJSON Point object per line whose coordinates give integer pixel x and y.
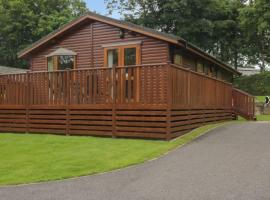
{"type": "Point", "coordinates": [91, 16]}
{"type": "Point", "coordinates": [26, 51]}
{"type": "Point", "coordinates": [210, 58]}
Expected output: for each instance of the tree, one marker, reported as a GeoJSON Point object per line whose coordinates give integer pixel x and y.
{"type": "Point", "coordinates": [255, 20]}
{"type": "Point", "coordinates": [212, 25]}
{"type": "Point", "coordinates": [228, 34]}
{"type": "Point", "coordinates": [257, 84]}
{"type": "Point", "coordinates": [190, 19]}
{"type": "Point", "coordinates": [25, 21]}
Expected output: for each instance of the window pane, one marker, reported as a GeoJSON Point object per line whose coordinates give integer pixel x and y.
{"type": "Point", "coordinates": [65, 62]}
{"type": "Point", "coordinates": [112, 55]}
{"type": "Point", "coordinates": [130, 56]}
{"type": "Point", "coordinates": [50, 63]}
{"type": "Point", "coordinates": [199, 67]}
{"type": "Point", "coordinates": [177, 59]}
{"type": "Point", "coordinates": [206, 69]}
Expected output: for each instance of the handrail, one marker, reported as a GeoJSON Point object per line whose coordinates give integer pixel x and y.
{"type": "Point", "coordinates": [198, 73]}
{"type": "Point", "coordinates": [243, 104]}
{"type": "Point", "coordinates": [88, 86]}
{"type": "Point", "coordinates": [243, 92]}
{"type": "Point", "coordinates": [90, 68]}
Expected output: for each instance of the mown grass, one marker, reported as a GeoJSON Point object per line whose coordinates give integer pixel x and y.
{"type": "Point", "coordinates": [259, 118]}
{"type": "Point", "coordinates": [263, 117]}
{"type": "Point", "coordinates": [260, 99]}
{"type": "Point", "coordinates": [27, 158]}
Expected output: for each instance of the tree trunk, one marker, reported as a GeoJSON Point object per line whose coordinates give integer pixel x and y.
{"type": "Point", "coordinates": [235, 60]}
{"type": "Point", "coordinates": [263, 64]}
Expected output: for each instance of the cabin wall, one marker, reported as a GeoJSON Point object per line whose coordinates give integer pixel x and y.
{"type": "Point", "coordinates": [87, 42]}
{"type": "Point", "coordinates": [195, 63]}
{"type": "Point", "coordinates": [78, 41]}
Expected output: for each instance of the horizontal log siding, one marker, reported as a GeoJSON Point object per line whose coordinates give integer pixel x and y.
{"type": "Point", "coordinates": [80, 41]}
{"type": "Point", "coordinates": [152, 50]}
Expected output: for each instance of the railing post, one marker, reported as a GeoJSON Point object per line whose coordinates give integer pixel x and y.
{"type": "Point", "coordinates": [114, 131]}
{"type": "Point", "coordinates": [169, 101]}
{"type": "Point", "coordinates": [189, 92]}
{"type": "Point", "coordinates": [67, 101]}
{"type": "Point", "coordinates": [27, 100]}
{"type": "Point", "coordinates": [253, 113]}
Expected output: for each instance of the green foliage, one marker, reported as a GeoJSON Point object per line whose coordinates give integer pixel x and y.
{"type": "Point", "coordinates": [25, 21]}
{"type": "Point", "coordinates": [236, 31]}
{"type": "Point", "coordinates": [255, 21]}
{"type": "Point", "coordinates": [260, 99]}
{"type": "Point", "coordinates": [257, 84]}
{"type": "Point", "coordinates": [32, 158]}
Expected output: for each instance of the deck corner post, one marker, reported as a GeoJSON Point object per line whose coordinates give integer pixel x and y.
{"type": "Point", "coordinates": [114, 131]}
{"type": "Point", "coordinates": [68, 88]}
{"type": "Point", "coordinates": [169, 102]}
{"type": "Point", "coordinates": [27, 100]}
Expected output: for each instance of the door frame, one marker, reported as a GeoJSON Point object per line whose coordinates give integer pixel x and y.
{"type": "Point", "coordinates": [121, 58]}
{"type": "Point", "coordinates": [121, 63]}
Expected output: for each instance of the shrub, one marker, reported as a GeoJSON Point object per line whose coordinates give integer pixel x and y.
{"type": "Point", "coordinates": [258, 84]}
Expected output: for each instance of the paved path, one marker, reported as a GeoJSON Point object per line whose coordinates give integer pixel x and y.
{"type": "Point", "coordinates": [231, 162]}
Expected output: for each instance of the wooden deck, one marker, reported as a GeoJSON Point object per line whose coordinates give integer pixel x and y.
{"type": "Point", "coordinates": [159, 101]}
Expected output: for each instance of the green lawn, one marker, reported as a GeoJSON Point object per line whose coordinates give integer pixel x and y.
{"type": "Point", "coordinates": [27, 158]}
{"type": "Point", "coordinates": [263, 117]}
{"type": "Point", "coordinates": [259, 118]}
{"type": "Point", "coordinates": [260, 99]}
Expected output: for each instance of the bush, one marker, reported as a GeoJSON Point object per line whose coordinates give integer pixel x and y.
{"type": "Point", "coordinates": [258, 84]}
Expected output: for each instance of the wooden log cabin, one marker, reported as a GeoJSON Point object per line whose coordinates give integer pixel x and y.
{"type": "Point", "coordinates": [104, 77]}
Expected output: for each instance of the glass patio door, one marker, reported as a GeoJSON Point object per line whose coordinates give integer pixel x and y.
{"type": "Point", "coordinates": [126, 58]}
{"type": "Point", "coordinates": [112, 58]}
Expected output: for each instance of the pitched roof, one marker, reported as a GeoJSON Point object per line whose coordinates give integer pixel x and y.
{"type": "Point", "coordinates": [62, 52]}
{"type": "Point", "coordinates": [129, 26]}
{"type": "Point", "coordinates": [11, 70]}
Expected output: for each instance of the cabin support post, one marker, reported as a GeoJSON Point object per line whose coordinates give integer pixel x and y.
{"type": "Point", "coordinates": [169, 102]}
{"type": "Point", "coordinates": [68, 88]}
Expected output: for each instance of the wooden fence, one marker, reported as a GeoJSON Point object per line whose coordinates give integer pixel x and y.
{"type": "Point", "coordinates": [151, 101]}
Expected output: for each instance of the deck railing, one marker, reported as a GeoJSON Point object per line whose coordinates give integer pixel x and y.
{"type": "Point", "coordinates": [143, 84]}
{"type": "Point", "coordinates": [190, 89]}
{"type": "Point", "coordinates": [243, 104]}
{"type": "Point", "coordinates": [151, 101]}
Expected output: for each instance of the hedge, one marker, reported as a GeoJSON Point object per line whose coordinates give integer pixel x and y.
{"type": "Point", "coordinates": [258, 84]}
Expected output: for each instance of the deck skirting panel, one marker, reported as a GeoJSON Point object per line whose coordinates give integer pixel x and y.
{"type": "Point", "coordinates": [183, 120]}
{"type": "Point", "coordinates": [122, 121]}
